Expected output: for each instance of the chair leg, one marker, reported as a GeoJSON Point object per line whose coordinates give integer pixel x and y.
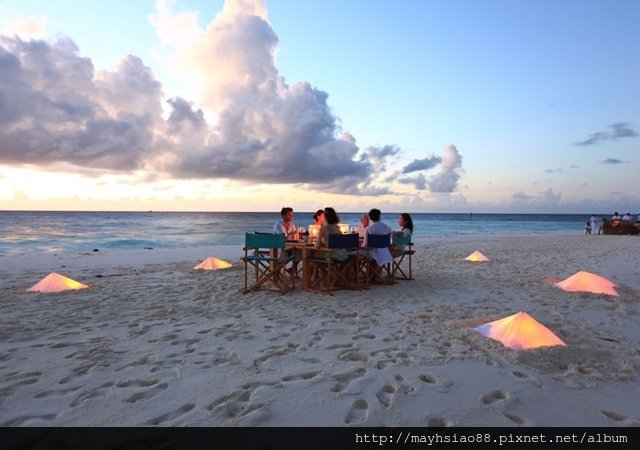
{"type": "Point", "coordinates": [273, 273]}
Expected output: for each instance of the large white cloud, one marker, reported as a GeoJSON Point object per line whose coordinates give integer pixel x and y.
{"type": "Point", "coordinates": [243, 121]}
{"type": "Point", "coordinates": [55, 108]}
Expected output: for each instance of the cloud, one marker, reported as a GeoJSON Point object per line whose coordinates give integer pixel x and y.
{"type": "Point", "coordinates": [245, 123]}
{"type": "Point", "coordinates": [24, 28]}
{"type": "Point", "coordinates": [422, 164]}
{"type": "Point", "coordinates": [419, 181]}
{"type": "Point", "coordinates": [446, 180]}
{"type": "Point", "coordinates": [55, 108]}
{"type": "Point", "coordinates": [544, 200]}
{"type": "Point", "coordinates": [616, 131]}
{"type": "Point", "coordinates": [613, 161]}
{"type": "Point", "coordinates": [265, 130]}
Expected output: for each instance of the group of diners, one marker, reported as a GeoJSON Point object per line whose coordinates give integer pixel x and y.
{"type": "Point", "coordinates": [327, 220]}
{"type": "Point", "coordinates": [626, 218]}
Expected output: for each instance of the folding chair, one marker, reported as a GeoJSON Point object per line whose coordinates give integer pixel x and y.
{"type": "Point", "coordinates": [374, 273]}
{"type": "Point", "coordinates": [326, 274]}
{"type": "Point", "coordinates": [397, 271]}
{"type": "Point", "coordinates": [264, 253]}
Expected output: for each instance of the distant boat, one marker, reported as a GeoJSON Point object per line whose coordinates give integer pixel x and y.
{"type": "Point", "coordinates": [620, 227]}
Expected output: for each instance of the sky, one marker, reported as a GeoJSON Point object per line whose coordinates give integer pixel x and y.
{"type": "Point", "coordinates": [251, 105]}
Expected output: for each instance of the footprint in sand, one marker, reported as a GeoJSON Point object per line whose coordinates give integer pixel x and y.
{"type": "Point", "coordinates": [149, 393]}
{"type": "Point", "coordinates": [435, 383]}
{"type": "Point", "coordinates": [363, 336]}
{"type": "Point", "coordinates": [621, 418]}
{"type": "Point", "coordinates": [160, 420]}
{"type": "Point", "coordinates": [515, 419]}
{"type": "Point", "coordinates": [404, 384]}
{"type": "Point", "coordinates": [438, 422]}
{"type": "Point", "coordinates": [494, 396]}
{"type": "Point", "coordinates": [302, 376]}
{"type": "Point", "coordinates": [385, 395]}
{"type": "Point", "coordinates": [52, 393]}
{"type": "Point", "coordinates": [358, 412]}
{"type": "Point", "coordinates": [345, 379]}
{"type": "Point", "coordinates": [524, 376]}
{"type": "Point", "coordinates": [92, 393]}
{"type": "Point", "coordinates": [29, 421]}
{"type": "Point", "coordinates": [236, 404]}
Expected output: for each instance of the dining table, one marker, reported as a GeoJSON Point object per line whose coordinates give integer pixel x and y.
{"type": "Point", "coordinates": [302, 248]}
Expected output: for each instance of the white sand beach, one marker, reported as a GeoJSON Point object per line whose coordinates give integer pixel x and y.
{"type": "Point", "coordinates": [153, 342]}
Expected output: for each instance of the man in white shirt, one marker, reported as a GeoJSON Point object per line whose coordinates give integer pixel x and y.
{"type": "Point", "coordinates": [381, 256]}
{"type": "Point", "coordinates": [285, 225]}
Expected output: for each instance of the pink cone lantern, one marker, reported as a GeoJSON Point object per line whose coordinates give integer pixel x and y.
{"type": "Point", "coordinates": [477, 257]}
{"type": "Point", "coordinates": [212, 263]}
{"type": "Point", "coordinates": [55, 282]}
{"type": "Point", "coordinates": [520, 332]}
{"type": "Point", "coordinates": [588, 282]}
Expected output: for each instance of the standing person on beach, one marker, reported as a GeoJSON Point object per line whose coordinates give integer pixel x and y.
{"type": "Point", "coordinates": [381, 256]}
{"type": "Point", "coordinates": [594, 224]}
{"type": "Point", "coordinates": [406, 229]}
{"type": "Point", "coordinates": [285, 225]}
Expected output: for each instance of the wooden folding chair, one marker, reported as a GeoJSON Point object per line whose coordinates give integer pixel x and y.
{"type": "Point", "coordinates": [327, 274]}
{"type": "Point", "coordinates": [397, 269]}
{"type": "Point", "coordinates": [264, 253]}
{"type": "Point", "coordinates": [374, 273]}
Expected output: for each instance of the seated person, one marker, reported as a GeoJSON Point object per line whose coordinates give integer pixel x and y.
{"type": "Point", "coordinates": [288, 228]}
{"type": "Point", "coordinates": [364, 223]}
{"type": "Point", "coordinates": [406, 229]}
{"type": "Point", "coordinates": [318, 217]}
{"type": "Point", "coordinates": [627, 217]}
{"type": "Point", "coordinates": [330, 226]}
{"type": "Point", "coordinates": [381, 256]}
{"type": "Point", "coordinates": [616, 216]}
{"type": "Point", "coordinates": [285, 225]}
{"type": "Point", "coordinates": [587, 228]}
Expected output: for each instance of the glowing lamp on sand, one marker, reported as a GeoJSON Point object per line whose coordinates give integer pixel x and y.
{"type": "Point", "coordinates": [477, 257]}
{"type": "Point", "coordinates": [588, 282]}
{"type": "Point", "coordinates": [519, 332]}
{"type": "Point", "coordinates": [55, 282]}
{"type": "Point", "coordinates": [212, 263]}
{"type": "Point", "coordinates": [344, 228]}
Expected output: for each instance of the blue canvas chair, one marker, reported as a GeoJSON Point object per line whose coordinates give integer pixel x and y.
{"type": "Point", "coordinates": [397, 270]}
{"type": "Point", "coordinates": [326, 274]}
{"type": "Point", "coordinates": [373, 272]}
{"type": "Point", "coordinates": [264, 253]}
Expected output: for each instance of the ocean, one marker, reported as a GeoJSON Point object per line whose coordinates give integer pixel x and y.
{"type": "Point", "coordinates": [57, 231]}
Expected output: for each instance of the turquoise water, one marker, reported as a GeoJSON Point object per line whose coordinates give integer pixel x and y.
{"type": "Point", "coordinates": [53, 231]}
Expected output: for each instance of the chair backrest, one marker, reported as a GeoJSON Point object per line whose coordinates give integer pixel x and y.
{"type": "Point", "coordinates": [260, 240]}
{"type": "Point", "coordinates": [343, 240]}
{"type": "Point", "coordinates": [378, 240]}
{"type": "Point", "coordinates": [401, 240]}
